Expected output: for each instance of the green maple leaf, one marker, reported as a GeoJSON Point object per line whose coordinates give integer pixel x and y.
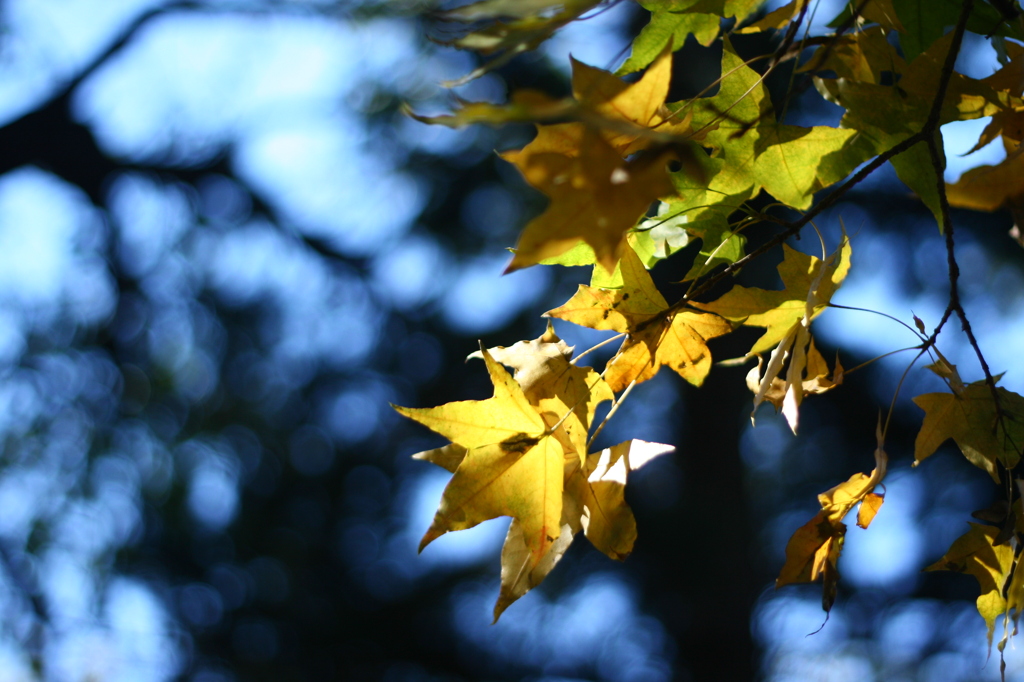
{"type": "Point", "coordinates": [669, 28]}
{"type": "Point", "coordinates": [790, 162]}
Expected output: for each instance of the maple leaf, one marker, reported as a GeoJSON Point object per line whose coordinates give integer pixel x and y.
{"type": "Point", "coordinates": [666, 29]}
{"type": "Point", "coordinates": [656, 337]}
{"type": "Point", "coordinates": [869, 506]}
{"type": "Point", "coordinates": [969, 416]}
{"type": "Point", "coordinates": [814, 549]}
{"type": "Point", "coordinates": [888, 114]}
{"type": "Point", "coordinates": [561, 392]}
{"type": "Point", "coordinates": [990, 188]}
{"type": "Point", "coordinates": [632, 116]}
{"type": "Point", "coordinates": [594, 502]}
{"type": "Point", "coordinates": [809, 284]}
{"type": "Point", "coordinates": [527, 106]}
{"type": "Point", "coordinates": [789, 318]}
{"type": "Point", "coordinates": [777, 18]}
{"type": "Point", "coordinates": [512, 465]}
{"type": "Point", "coordinates": [977, 553]}
{"type": "Point", "coordinates": [522, 453]}
{"type": "Point", "coordinates": [595, 197]}
{"type": "Point", "coordinates": [862, 57]}
{"type": "Point", "coordinates": [789, 162]}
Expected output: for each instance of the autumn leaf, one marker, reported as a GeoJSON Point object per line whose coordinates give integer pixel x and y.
{"type": "Point", "coordinates": [809, 284]}
{"type": "Point", "coordinates": [527, 106]}
{"type": "Point", "coordinates": [631, 116]}
{"type": "Point", "coordinates": [990, 188]}
{"type": "Point", "coordinates": [969, 416]}
{"type": "Point", "coordinates": [593, 502]}
{"type": "Point", "coordinates": [656, 337]}
{"type": "Point", "coordinates": [809, 374]}
{"type": "Point", "coordinates": [813, 551]}
{"type": "Point", "coordinates": [862, 57]}
{"type": "Point", "coordinates": [561, 392]}
{"type": "Point", "coordinates": [595, 197]}
{"type": "Point", "coordinates": [639, 240]}
{"type": "Point", "coordinates": [607, 520]}
{"type": "Point", "coordinates": [869, 507]}
{"type": "Point", "coordinates": [888, 114]}
{"type": "Point", "coordinates": [522, 453]}
{"type": "Point", "coordinates": [777, 18]}
{"type": "Point", "coordinates": [512, 465]}
{"type": "Point", "coordinates": [976, 553]}
{"type": "Point", "coordinates": [519, 573]}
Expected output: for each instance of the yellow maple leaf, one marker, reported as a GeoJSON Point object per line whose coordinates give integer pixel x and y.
{"type": "Point", "coordinates": [593, 502]}
{"type": "Point", "coordinates": [561, 392]}
{"type": "Point", "coordinates": [512, 465]}
{"type": "Point", "coordinates": [814, 549]}
{"type": "Point", "coordinates": [522, 453]}
{"type": "Point", "coordinates": [595, 197]}
{"type": "Point", "coordinates": [976, 553]}
{"type": "Point", "coordinates": [968, 415]}
{"type": "Point", "coordinates": [809, 284]}
{"type": "Point", "coordinates": [678, 340]}
{"type": "Point", "coordinates": [990, 188]}
{"type": "Point", "coordinates": [630, 116]}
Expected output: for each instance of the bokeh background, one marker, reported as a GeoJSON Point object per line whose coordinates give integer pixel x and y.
{"type": "Point", "coordinates": [224, 250]}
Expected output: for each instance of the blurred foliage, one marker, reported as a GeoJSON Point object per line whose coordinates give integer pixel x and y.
{"type": "Point", "coordinates": [216, 274]}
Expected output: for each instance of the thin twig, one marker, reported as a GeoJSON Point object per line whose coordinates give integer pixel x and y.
{"type": "Point", "coordinates": [611, 412]}
{"type": "Point", "coordinates": [937, 158]}
{"type": "Point", "coordinates": [593, 348]}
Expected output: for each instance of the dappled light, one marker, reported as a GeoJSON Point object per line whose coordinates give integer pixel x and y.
{"type": "Point", "coordinates": [243, 280]}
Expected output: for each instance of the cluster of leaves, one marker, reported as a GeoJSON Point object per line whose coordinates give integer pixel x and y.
{"type": "Point", "coordinates": [633, 178]}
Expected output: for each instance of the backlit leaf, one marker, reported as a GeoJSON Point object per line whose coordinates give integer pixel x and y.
{"type": "Point", "coordinates": [969, 417]}
{"type": "Point", "coordinates": [813, 551]}
{"type": "Point", "coordinates": [656, 338]}
{"type": "Point", "coordinates": [809, 285]}
{"type": "Point", "coordinates": [976, 553]}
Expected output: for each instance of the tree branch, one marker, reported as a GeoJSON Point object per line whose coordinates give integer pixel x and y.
{"type": "Point", "coordinates": [937, 156]}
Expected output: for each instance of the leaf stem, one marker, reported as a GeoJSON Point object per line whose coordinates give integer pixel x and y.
{"type": "Point", "coordinates": [877, 312]}
{"type": "Point", "coordinates": [595, 347]}
{"type": "Point", "coordinates": [611, 413]}
{"type": "Point", "coordinates": [877, 358]}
